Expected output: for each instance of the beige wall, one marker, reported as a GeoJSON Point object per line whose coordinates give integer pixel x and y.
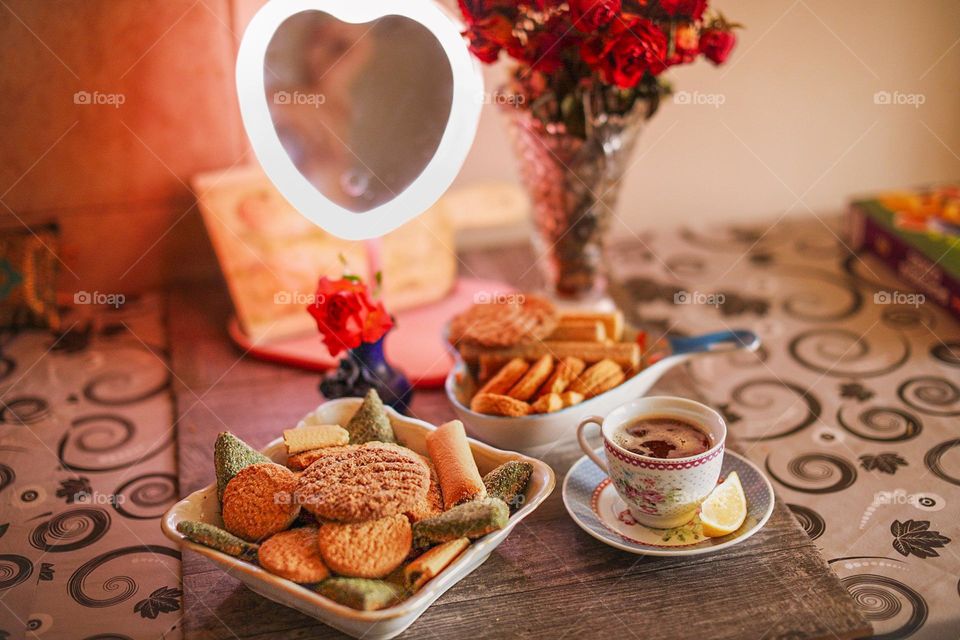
{"type": "Point", "coordinates": [798, 127]}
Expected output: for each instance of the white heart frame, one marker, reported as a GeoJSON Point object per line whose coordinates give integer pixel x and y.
{"type": "Point", "coordinates": [433, 181]}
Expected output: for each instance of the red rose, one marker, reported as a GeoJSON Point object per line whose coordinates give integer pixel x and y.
{"type": "Point", "coordinates": [690, 8]}
{"type": "Point", "coordinates": [590, 15]}
{"type": "Point", "coordinates": [489, 36]}
{"type": "Point", "coordinates": [544, 48]}
{"type": "Point", "coordinates": [640, 48]}
{"type": "Point", "coordinates": [346, 316]}
{"type": "Point", "coordinates": [716, 45]}
{"type": "Point", "coordinates": [685, 44]}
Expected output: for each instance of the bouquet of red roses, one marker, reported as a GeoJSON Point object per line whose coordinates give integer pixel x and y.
{"type": "Point", "coordinates": [599, 55]}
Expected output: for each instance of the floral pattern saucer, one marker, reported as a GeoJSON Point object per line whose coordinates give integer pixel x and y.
{"type": "Point", "coordinates": [594, 505]}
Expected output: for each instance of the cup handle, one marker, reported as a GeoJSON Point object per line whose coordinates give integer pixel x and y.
{"type": "Point", "coordinates": [587, 449]}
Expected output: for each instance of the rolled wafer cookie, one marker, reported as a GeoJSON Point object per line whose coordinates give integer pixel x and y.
{"type": "Point", "coordinates": [564, 373]}
{"type": "Point", "coordinates": [603, 376]}
{"type": "Point", "coordinates": [314, 437]}
{"type": "Point", "coordinates": [506, 377]}
{"type": "Point", "coordinates": [535, 376]}
{"type": "Point", "coordinates": [494, 404]}
{"type": "Point", "coordinates": [460, 480]}
{"type": "Point", "coordinates": [430, 564]}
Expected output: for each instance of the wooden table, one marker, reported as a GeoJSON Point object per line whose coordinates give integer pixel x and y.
{"type": "Point", "coordinates": [548, 579]}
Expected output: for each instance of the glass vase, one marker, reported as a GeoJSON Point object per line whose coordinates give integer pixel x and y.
{"type": "Point", "coordinates": [573, 183]}
{"type": "Point", "coordinates": [364, 368]}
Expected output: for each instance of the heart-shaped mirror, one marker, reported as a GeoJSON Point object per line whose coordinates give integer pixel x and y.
{"type": "Point", "coordinates": [361, 112]}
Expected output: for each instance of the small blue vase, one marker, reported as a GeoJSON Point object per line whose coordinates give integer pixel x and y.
{"type": "Point", "coordinates": [364, 368]}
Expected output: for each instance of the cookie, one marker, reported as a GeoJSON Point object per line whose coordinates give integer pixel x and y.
{"type": "Point", "coordinates": [535, 376]}
{"type": "Point", "coordinates": [516, 319]}
{"type": "Point", "coordinates": [432, 504]}
{"type": "Point", "coordinates": [258, 502]}
{"type": "Point", "coordinates": [294, 555]}
{"type": "Point", "coordinates": [428, 565]}
{"type": "Point", "coordinates": [450, 451]}
{"type": "Point", "coordinates": [370, 423]}
{"type": "Point", "coordinates": [564, 373]}
{"type": "Point", "coordinates": [363, 482]}
{"type": "Point", "coordinates": [302, 460]}
{"type": "Point", "coordinates": [469, 520]}
{"type": "Point", "coordinates": [506, 377]}
{"type": "Point", "coordinates": [360, 593]}
{"type": "Point", "coordinates": [509, 481]}
{"type": "Point", "coordinates": [365, 549]}
{"type": "Point", "coordinates": [216, 538]}
{"type": "Point", "coordinates": [547, 403]}
{"type": "Point", "coordinates": [230, 455]}
{"type": "Point", "coordinates": [314, 437]}
{"type": "Point", "coordinates": [493, 404]}
{"type": "Point", "coordinates": [601, 377]}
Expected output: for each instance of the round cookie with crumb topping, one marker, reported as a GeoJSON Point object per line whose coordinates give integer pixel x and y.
{"type": "Point", "coordinates": [365, 549]}
{"type": "Point", "coordinates": [363, 482]}
{"type": "Point", "coordinates": [294, 555]}
{"type": "Point", "coordinates": [258, 501]}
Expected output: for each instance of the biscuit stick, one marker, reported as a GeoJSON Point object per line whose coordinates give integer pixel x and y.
{"type": "Point", "coordinates": [460, 480]}
{"type": "Point", "coordinates": [626, 354]}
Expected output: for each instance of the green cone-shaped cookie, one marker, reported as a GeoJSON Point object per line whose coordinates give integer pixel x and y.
{"type": "Point", "coordinates": [370, 422]}
{"type": "Point", "coordinates": [360, 593]}
{"type": "Point", "coordinates": [230, 455]}
{"type": "Point", "coordinates": [509, 482]}
{"type": "Point", "coordinates": [470, 520]}
{"type": "Point", "coordinates": [216, 538]}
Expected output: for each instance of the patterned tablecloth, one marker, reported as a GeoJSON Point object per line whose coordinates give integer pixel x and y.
{"type": "Point", "coordinates": [852, 406]}
{"type": "Point", "coordinates": [87, 466]}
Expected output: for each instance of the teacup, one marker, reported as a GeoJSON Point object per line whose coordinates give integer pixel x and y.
{"type": "Point", "coordinates": [659, 492]}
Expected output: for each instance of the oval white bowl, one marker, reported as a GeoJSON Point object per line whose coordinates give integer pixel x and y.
{"type": "Point", "coordinates": [535, 431]}
{"type": "Point", "coordinates": [376, 625]}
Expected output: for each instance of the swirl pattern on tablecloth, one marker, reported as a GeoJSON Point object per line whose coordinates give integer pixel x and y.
{"type": "Point", "coordinates": [882, 424]}
{"type": "Point", "coordinates": [124, 585]}
{"type": "Point", "coordinates": [71, 530]}
{"type": "Point", "coordinates": [146, 497]}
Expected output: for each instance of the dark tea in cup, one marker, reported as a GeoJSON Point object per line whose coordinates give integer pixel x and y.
{"type": "Point", "coordinates": [663, 437]}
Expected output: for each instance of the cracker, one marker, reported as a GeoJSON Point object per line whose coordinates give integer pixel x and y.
{"type": "Point", "coordinates": [294, 555]}
{"type": "Point", "coordinates": [506, 377]}
{"type": "Point", "coordinates": [315, 437]}
{"type": "Point", "coordinates": [548, 403]}
{"type": "Point", "coordinates": [601, 377]}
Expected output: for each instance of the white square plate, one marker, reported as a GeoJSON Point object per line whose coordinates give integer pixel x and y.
{"type": "Point", "coordinates": [386, 623]}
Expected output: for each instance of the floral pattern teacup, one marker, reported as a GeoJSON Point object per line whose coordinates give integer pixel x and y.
{"type": "Point", "coordinates": [660, 493]}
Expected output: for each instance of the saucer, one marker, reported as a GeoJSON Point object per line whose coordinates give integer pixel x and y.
{"type": "Point", "coordinates": [594, 505]}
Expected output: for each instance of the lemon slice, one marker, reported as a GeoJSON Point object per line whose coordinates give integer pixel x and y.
{"type": "Point", "coordinates": [725, 508]}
